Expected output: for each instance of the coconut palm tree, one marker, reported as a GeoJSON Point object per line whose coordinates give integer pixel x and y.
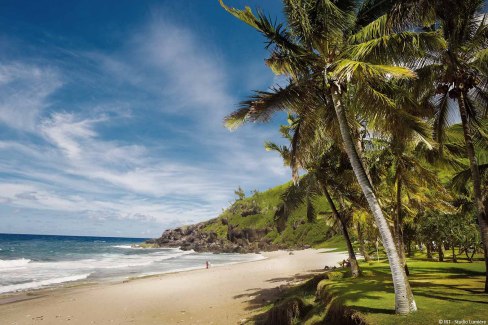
{"type": "Point", "coordinates": [455, 77]}
{"type": "Point", "coordinates": [317, 181]}
{"type": "Point", "coordinates": [324, 58]}
{"type": "Point", "coordinates": [399, 162]}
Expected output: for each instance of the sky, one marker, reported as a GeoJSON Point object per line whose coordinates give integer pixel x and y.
{"type": "Point", "coordinates": [111, 115]}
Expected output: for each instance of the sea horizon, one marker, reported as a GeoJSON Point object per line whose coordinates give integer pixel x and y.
{"type": "Point", "coordinates": [63, 235]}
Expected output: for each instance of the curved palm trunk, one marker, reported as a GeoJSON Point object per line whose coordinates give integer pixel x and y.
{"type": "Point", "coordinates": [475, 174]}
{"type": "Point", "coordinates": [398, 226]}
{"type": "Point", "coordinates": [352, 256]}
{"type": "Point", "coordinates": [404, 301]}
{"type": "Point", "coordinates": [360, 151]}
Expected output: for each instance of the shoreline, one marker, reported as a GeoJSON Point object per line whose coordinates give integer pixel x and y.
{"type": "Point", "coordinates": [102, 269]}
{"type": "Point", "coordinates": [170, 298]}
{"type": "Point", "coordinates": [29, 294]}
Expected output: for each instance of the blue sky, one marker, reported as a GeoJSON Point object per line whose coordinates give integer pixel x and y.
{"type": "Point", "coordinates": [111, 115]}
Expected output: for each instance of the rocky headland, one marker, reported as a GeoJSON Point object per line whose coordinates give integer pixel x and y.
{"type": "Point", "coordinates": [197, 238]}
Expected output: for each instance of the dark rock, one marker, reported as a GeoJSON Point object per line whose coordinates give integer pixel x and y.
{"type": "Point", "coordinates": [238, 240]}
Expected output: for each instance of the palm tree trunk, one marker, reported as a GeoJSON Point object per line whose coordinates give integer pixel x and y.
{"type": "Point", "coordinates": [352, 256]}
{"type": "Point", "coordinates": [475, 175]}
{"type": "Point", "coordinates": [362, 246]}
{"type": "Point", "coordinates": [429, 250]}
{"type": "Point", "coordinates": [398, 225]}
{"type": "Point", "coordinates": [404, 300]}
{"type": "Point", "coordinates": [454, 259]}
{"type": "Point", "coordinates": [360, 151]}
{"type": "Point", "coordinates": [440, 251]}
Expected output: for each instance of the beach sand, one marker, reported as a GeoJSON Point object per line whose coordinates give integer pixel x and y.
{"type": "Point", "coordinates": [218, 295]}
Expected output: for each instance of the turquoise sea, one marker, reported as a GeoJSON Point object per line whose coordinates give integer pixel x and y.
{"type": "Point", "coordinates": [30, 262]}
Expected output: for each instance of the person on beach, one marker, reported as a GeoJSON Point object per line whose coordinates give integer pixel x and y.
{"type": "Point", "coordinates": [207, 264]}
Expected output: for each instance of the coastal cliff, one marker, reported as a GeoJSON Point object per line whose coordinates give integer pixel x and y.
{"type": "Point", "coordinates": [252, 224]}
{"type": "Point", "coordinates": [197, 238]}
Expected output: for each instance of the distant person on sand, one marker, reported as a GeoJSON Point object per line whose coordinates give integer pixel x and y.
{"type": "Point", "coordinates": [207, 264]}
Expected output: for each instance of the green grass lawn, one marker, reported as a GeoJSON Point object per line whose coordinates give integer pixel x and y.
{"type": "Point", "coordinates": [442, 290]}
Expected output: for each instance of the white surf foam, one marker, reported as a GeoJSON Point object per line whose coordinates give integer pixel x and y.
{"type": "Point", "coordinates": [127, 247]}
{"type": "Point", "coordinates": [43, 283]}
{"type": "Point", "coordinates": [13, 264]}
{"type": "Point", "coordinates": [106, 261]}
{"type": "Point", "coordinates": [23, 274]}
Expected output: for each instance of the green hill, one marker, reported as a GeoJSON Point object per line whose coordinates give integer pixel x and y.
{"type": "Point", "coordinates": [249, 225]}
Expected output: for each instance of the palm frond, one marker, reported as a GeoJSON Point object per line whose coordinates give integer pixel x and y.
{"type": "Point", "coordinates": [375, 29]}
{"type": "Point", "coordinates": [311, 212]}
{"type": "Point", "coordinates": [480, 97]}
{"type": "Point", "coordinates": [479, 38]}
{"type": "Point", "coordinates": [236, 118]}
{"type": "Point", "coordinates": [397, 47]}
{"type": "Point", "coordinates": [282, 150]}
{"type": "Point", "coordinates": [460, 181]}
{"type": "Point", "coordinates": [262, 105]}
{"type": "Point", "coordinates": [298, 194]}
{"type": "Point", "coordinates": [371, 10]}
{"type": "Point", "coordinates": [348, 70]}
{"type": "Point", "coordinates": [412, 13]}
{"type": "Point", "coordinates": [285, 63]}
{"type": "Point", "coordinates": [441, 120]}
{"type": "Point", "coordinates": [481, 60]}
{"type": "Point", "coordinates": [319, 20]}
{"type": "Point", "coordinates": [275, 33]}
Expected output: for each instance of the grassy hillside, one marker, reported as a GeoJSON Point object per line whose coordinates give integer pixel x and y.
{"type": "Point", "coordinates": [258, 212]}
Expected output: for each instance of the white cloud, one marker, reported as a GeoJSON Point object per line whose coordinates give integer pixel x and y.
{"type": "Point", "coordinates": [24, 93]}
{"type": "Point", "coordinates": [35, 197]}
{"type": "Point", "coordinates": [74, 166]}
{"type": "Point", "coordinates": [195, 72]}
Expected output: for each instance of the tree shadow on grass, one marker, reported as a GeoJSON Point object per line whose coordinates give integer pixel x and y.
{"type": "Point", "coordinates": [370, 294]}
{"type": "Point", "coordinates": [447, 272]}
{"type": "Point", "coordinates": [373, 310]}
{"type": "Point", "coordinates": [449, 298]}
{"type": "Point", "coordinates": [259, 298]}
{"type": "Point", "coordinates": [452, 291]}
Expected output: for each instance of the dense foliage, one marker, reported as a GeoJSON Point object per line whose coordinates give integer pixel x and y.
{"type": "Point", "coordinates": [388, 105]}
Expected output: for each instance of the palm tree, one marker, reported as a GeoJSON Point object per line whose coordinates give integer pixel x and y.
{"type": "Point", "coordinates": [359, 218]}
{"type": "Point", "coordinates": [456, 75]}
{"type": "Point", "coordinates": [319, 179]}
{"type": "Point", "coordinates": [402, 166]}
{"type": "Point", "coordinates": [323, 58]}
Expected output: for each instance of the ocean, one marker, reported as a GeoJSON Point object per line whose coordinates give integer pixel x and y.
{"type": "Point", "coordinates": [30, 262]}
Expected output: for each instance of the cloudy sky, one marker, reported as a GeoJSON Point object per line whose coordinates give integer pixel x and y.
{"type": "Point", "coordinates": [111, 115]}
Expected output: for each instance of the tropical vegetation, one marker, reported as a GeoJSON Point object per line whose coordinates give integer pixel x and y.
{"type": "Point", "coordinates": [387, 105]}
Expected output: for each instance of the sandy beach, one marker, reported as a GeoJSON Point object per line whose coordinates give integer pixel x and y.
{"type": "Point", "coordinates": [220, 295]}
